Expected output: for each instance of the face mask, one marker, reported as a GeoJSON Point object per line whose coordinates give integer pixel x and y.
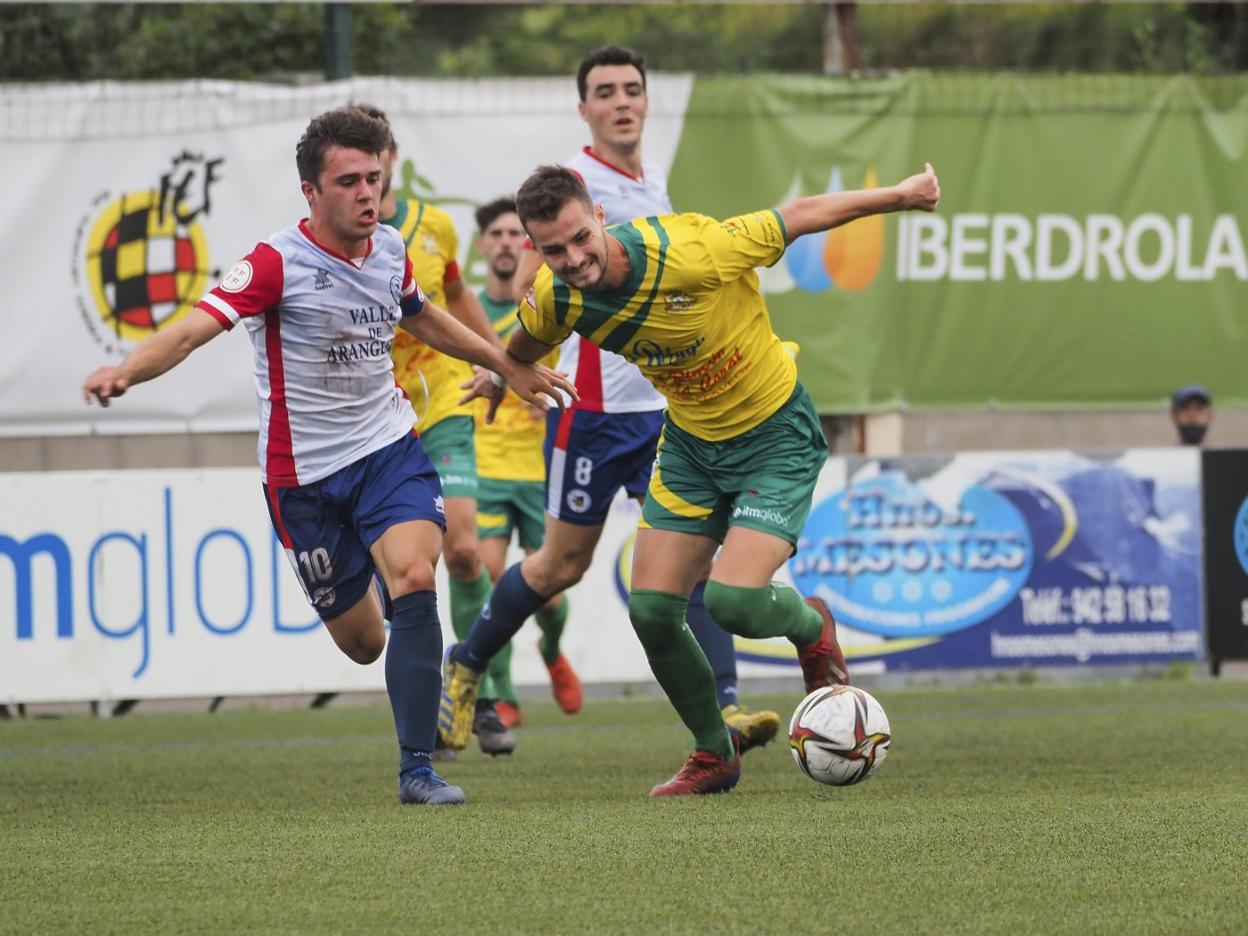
{"type": "Point", "coordinates": [1192, 435]}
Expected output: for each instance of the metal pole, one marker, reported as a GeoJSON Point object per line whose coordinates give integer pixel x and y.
{"type": "Point", "coordinates": [840, 38]}
{"type": "Point", "coordinates": [337, 41]}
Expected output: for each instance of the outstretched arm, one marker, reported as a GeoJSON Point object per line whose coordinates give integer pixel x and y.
{"type": "Point", "coordinates": [162, 352]}
{"type": "Point", "coordinates": [524, 348]}
{"type": "Point", "coordinates": [823, 212]}
{"type": "Point", "coordinates": [533, 382]}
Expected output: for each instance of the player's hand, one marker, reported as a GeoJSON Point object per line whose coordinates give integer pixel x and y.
{"type": "Point", "coordinates": [484, 386]}
{"type": "Point", "coordinates": [921, 192]}
{"type": "Point", "coordinates": [103, 384]}
{"type": "Point", "coordinates": [538, 385]}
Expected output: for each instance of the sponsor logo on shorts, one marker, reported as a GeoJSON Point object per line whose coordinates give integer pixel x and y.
{"type": "Point", "coordinates": [439, 505]}
{"type": "Point", "coordinates": [579, 501]}
{"type": "Point", "coordinates": [323, 597]}
{"type": "Point", "coordinates": [760, 513]}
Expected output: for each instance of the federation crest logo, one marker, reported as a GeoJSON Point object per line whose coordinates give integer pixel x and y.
{"type": "Point", "coordinates": [579, 501]}
{"type": "Point", "coordinates": [236, 280]}
{"type": "Point", "coordinates": [141, 257]}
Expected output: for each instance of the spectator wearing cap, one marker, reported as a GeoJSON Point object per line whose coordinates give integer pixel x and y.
{"type": "Point", "coordinates": [1191, 410]}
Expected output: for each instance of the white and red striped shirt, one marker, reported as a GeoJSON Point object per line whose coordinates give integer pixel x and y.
{"type": "Point", "coordinates": [321, 326]}
{"type": "Point", "coordinates": [606, 382]}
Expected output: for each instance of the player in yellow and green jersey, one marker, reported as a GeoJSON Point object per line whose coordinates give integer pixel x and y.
{"type": "Point", "coordinates": [512, 492]}
{"type": "Point", "coordinates": [741, 449]}
{"type": "Point", "coordinates": [432, 382]}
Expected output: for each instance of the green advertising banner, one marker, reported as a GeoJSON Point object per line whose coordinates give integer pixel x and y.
{"type": "Point", "coordinates": [1089, 250]}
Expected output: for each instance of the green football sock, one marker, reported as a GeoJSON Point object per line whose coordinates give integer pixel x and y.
{"type": "Point", "coordinates": [773, 611]}
{"type": "Point", "coordinates": [680, 666]}
{"type": "Point", "coordinates": [551, 623]}
{"type": "Point", "coordinates": [467, 600]}
{"type": "Point", "coordinates": [499, 675]}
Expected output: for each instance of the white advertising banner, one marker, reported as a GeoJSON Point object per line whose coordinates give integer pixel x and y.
{"type": "Point", "coordinates": [161, 584]}
{"type": "Point", "coordinates": [125, 202]}
{"type": "Point", "coordinates": [147, 584]}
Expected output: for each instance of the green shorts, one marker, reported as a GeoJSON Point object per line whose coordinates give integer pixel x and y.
{"type": "Point", "coordinates": [449, 445]}
{"type": "Point", "coordinates": [503, 506]}
{"type": "Point", "coordinates": [762, 479]}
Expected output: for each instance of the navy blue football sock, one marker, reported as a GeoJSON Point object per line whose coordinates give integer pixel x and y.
{"type": "Point", "coordinates": [716, 643]}
{"type": "Point", "coordinates": [510, 605]}
{"type": "Point", "coordinates": [414, 675]}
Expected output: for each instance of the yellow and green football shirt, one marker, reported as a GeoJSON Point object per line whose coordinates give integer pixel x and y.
{"type": "Point", "coordinates": [510, 448]}
{"type": "Point", "coordinates": [430, 378]}
{"type": "Point", "coordinates": [690, 316]}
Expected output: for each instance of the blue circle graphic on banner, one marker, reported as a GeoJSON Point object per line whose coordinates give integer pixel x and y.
{"type": "Point", "coordinates": [891, 561]}
{"type": "Point", "coordinates": [1241, 535]}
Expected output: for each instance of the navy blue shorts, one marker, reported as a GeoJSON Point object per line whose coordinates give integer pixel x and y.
{"type": "Point", "coordinates": [328, 526]}
{"type": "Point", "coordinates": [590, 456]}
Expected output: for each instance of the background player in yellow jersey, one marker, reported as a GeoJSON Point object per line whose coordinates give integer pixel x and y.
{"type": "Point", "coordinates": [512, 492]}
{"type": "Point", "coordinates": [741, 449]}
{"type": "Point", "coordinates": [432, 382]}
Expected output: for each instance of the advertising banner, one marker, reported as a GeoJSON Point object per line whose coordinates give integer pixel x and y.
{"type": "Point", "coordinates": [124, 203]}
{"type": "Point", "coordinates": [1011, 559]}
{"type": "Point", "coordinates": [154, 584]}
{"type": "Point", "coordinates": [148, 584]}
{"type": "Point", "coordinates": [1226, 553]}
{"type": "Point", "coordinates": [1089, 249]}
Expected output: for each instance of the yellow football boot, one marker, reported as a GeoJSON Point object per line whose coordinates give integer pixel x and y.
{"type": "Point", "coordinates": [754, 728]}
{"type": "Point", "coordinates": [459, 702]}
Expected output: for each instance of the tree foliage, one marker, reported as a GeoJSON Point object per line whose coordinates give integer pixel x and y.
{"type": "Point", "coordinates": [65, 42]}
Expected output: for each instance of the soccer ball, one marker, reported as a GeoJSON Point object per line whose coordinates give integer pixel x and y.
{"type": "Point", "coordinates": [839, 735]}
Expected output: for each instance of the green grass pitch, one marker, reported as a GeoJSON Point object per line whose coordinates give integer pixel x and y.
{"type": "Point", "coordinates": [1086, 808]}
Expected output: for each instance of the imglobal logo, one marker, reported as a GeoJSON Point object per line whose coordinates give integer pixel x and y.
{"type": "Point", "coordinates": [114, 580]}
{"type": "Point", "coordinates": [1054, 247]}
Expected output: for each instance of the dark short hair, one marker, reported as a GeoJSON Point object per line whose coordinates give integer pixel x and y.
{"type": "Point", "coordinates": [348, 127]}
{"type": "Point", "coordinates": [1187, 394]}
{"type": "Point", "coordinates": [546, 191]}
{"type": "Point", "coordinates": [608, 55]}
{"type": "Point", "coordinates": [378, 114]}
{"type": "Point", "coordinates": [491, 211]}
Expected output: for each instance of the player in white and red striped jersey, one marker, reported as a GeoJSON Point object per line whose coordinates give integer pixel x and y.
{"type": "Point", "coordinates": [350, 492]}
{"type": "Point", "coordinates": [606, 439]}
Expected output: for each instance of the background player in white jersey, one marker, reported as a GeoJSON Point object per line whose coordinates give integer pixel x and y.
{"type": "Point", "coordinates": [607, 439]}
{"type": "Point", "coordinates": [349, 490]}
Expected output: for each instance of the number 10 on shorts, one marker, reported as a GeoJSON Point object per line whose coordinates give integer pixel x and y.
{"type": "Point", "coordinates": [316, 566]}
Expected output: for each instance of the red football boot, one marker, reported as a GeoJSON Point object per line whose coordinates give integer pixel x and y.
{"type": "Point", "coordinates": [704, 772]}
{"type": "Point", "coordinates": [508, 714]}
{"type": "Point", "coordinates": [564, 684]}
{"type": "Point", "coordinates": [823, 663]}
